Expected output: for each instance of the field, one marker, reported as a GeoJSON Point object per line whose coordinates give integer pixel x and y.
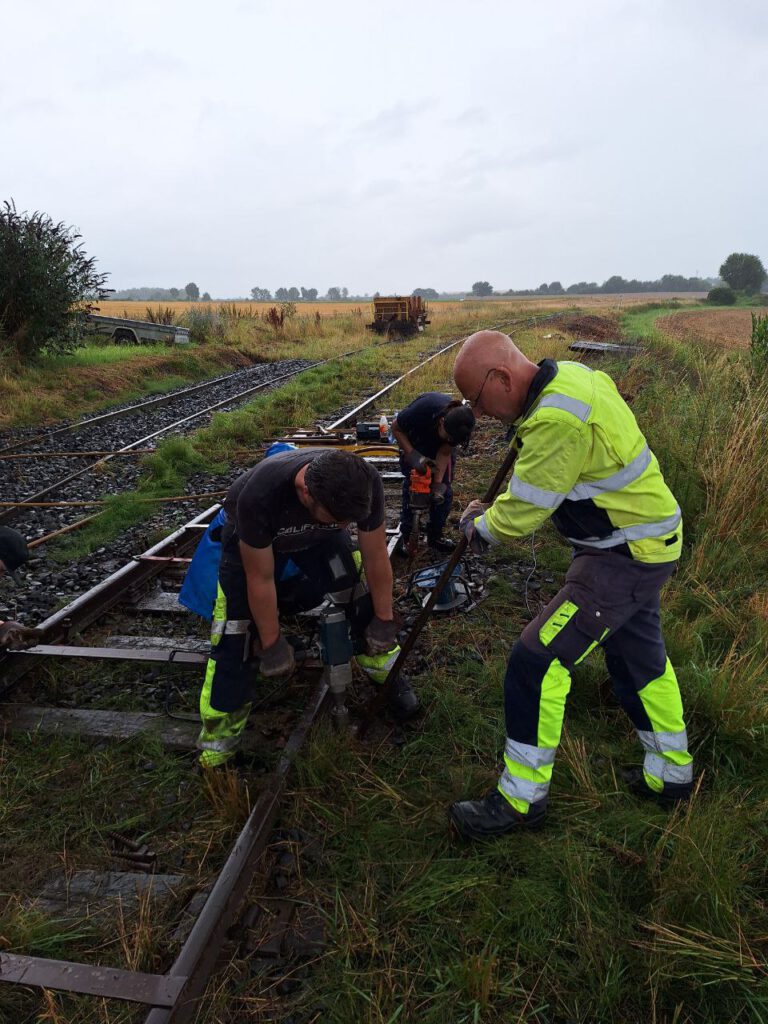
{"type": "Point", "coordinates": [728, 328]}
{"type": "Point", "coordinates": [439, 309]}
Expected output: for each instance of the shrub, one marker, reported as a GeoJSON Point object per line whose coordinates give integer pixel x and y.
{"type": "Point", "coordinates": [722, 296]}
{"type": "Point", "coordinates": [759, 342]}
{"type": "Point", "coordinates": [47, 284]}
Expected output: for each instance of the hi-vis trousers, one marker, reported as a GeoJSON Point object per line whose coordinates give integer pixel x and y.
{"type": "Point", "coordinates": [232, 670]}
{"type": "Point", "coordinates": [610, 601]}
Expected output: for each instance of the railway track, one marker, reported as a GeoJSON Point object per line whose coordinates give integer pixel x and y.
{"type": "Point", "coordinates": [144, 585]}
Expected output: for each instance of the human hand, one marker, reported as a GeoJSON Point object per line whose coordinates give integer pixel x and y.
{"type": "Point", "coordinates": [381, 635]}
{"type": "Point", "coordinates": [277, 660]}
{"type": "Point", "coordinates": [415, 460]}
{"type": "Point", "coordinates": [437, 493]}
{"type": "Point", "coordinates": [15, 637]}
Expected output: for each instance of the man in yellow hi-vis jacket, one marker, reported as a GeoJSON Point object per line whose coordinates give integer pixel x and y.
{"type": "Point", "coordinates": [583, 461]}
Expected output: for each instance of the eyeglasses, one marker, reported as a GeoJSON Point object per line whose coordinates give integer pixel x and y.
{"type": "Point", "coordinates": [473, 401]}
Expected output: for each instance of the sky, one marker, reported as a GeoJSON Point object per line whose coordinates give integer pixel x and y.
{"type": "Point", "coordinates": [391, 145]}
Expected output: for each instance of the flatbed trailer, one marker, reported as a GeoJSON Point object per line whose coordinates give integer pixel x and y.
{"type": "Point", "coordinates": [136, 332]}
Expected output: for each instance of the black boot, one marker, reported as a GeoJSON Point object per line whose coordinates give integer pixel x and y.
{"type": "Point", "coordinates": [493, 815]}
{"type": "Point", "coordinates": [401, 548]}
{"type": "Point", "coordinates": [402, 700]}
{"type": "Point", "coordinates": [440, 544]}
{"type": "Point", "coordinates": [673, 792]}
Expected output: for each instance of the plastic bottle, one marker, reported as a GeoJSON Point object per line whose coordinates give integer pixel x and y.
{"type": "Point", "coordinates": [384, 428]}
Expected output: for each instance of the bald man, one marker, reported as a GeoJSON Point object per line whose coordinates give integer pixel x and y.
{"type": "Point", "coordinates": [583, 461]}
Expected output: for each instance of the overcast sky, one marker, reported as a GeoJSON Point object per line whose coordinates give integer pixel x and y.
{"type": "Point", "coordinates": [390, 145]}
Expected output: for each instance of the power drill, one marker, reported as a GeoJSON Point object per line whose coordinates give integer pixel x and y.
{"type": "Point", "coordinates": [419, 496]}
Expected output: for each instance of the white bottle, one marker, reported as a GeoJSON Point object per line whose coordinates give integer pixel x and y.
{"type": "Point", "coordinates": [384, 428]}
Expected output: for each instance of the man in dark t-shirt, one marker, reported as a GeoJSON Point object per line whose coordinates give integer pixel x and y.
{"type": "Point", "coordinates": [428, 431]}
{"type": "Point", "coordinates": [294, 506]}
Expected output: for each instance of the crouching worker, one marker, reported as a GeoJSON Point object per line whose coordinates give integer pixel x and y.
{"type": "Point", "coordinates": [13, 554]}
{"type": "Point", "coordinates": [294, 506]}
{"type": "Point", "coordinates": [428, 432]}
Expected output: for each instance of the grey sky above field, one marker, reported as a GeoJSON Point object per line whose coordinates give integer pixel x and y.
{"type": "Point", "coordinates": [392, 145]}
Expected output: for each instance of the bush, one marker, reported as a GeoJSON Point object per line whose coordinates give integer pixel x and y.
{"type": "Point", "coordinates": [759, 342]}
{"type": "Point", "coordinates": [47, 284]}
{"type": "Point", "coordinates": [722, 296]}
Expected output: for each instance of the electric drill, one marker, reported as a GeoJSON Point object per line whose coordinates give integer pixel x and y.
{"type": "Point", "coordinates": [419, 495]}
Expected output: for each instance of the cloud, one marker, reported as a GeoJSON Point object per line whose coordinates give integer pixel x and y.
{"type": "Point", "coordinates": [394, 122]}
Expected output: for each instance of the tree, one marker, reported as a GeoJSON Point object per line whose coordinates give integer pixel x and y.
{"type": "Point", "coordinates": [615, 284]}
{"type": "Point", "coordinates": [174, 293]}
{"type": "Point", "coordinates": [261, 294]}
{"type": "Point", "coordinates": [481, 289]}
{"type": "Point", "coordinates": [722, 296]}
{"type": "Point", "coordinates": [193, 292]}
{"type": "Point", "coordinates": [293, 294]}
{"type": "Point", "coordinates": [281, 294]}
{"type": "Point", "coordinates": [556, 288]}
{"type": "Point", "coordinates": [333, 294]}
{"type": "Point", "coordinates": [206, 296]}
{"type": "Point", "coordinates": [543, 289]}
{"type": "Point", "coordinates": [344, 293]}
{"type": "Point", "coordinates": [426, 293]}
{"type": "Point", "coordinates": [47, 284]}
{"type": "Point", "coordinates": [743, 272]}
{"type": "Point", "coordinates": [309, 294]}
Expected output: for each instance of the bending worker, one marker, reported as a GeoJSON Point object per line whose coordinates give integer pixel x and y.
{"type": "Point", "coordinates": [295, 506]}
{"type": "Point", "coordinates": [583, 461]}
{"type": "Point", "coordinates": [428, 431]}
{"type": "Point", "coordinates": [13, 554]}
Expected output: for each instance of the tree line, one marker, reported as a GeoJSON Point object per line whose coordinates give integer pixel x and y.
{"type": "Point", "coordinates": [189, 293]}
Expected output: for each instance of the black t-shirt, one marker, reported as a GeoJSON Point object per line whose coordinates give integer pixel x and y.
{"type": "Point", "coordinates": [418, 421]}
{"type": "Point", "coordinates": [265, 508]}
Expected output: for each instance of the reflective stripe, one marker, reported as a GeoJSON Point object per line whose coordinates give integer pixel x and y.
{"type": "Point", "coordinates": [639, 532]}
{"type": "Point", "coordinates": [575, 406]}
{"type": "Point", "coordinates": [521, 789]}
{"type": "Point", "coordinates": [221, 746]}
{"type": "Point", "coordinates": [524, 753]}
{"type": "Point", "coordinates": [661, 768]}
{"type": "Point", "coordinates": [232, 627]}
{"type": "Point", "coordinates": [538, 496]}
{"type": "Point", "coordinates": [616, 481]}
{"type": "Point", "coordinates": [660, 742]}
{"type": "Point", "coordinates": [483, 530]}
{"type": "Point", "coordinates": [558, 620]}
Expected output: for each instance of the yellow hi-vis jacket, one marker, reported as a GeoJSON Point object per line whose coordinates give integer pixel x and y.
{"type": "Point", "coordinates": [583, 460]}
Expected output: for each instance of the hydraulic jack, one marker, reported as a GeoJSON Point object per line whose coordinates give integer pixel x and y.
{"type": "Point", "coordinates": [420, 487]}
{"type": "Point", "coordinates": [336, 653]}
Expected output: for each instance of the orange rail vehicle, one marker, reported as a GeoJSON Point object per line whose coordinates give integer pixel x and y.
{"type": "Point", "coordinates": [398, 315]}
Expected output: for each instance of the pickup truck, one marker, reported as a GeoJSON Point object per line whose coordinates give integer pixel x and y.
{"type": "Point", "coordinates": [136, 332]}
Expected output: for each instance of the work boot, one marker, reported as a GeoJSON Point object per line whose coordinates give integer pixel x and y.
{"type": "Point", "coordinates": [441, 544]}
{"type": "Point", "coordinates": [402, 700]}
{"type": "Point", "coordinates": [673, 792]}
{"type": "Point", "coordinates": [492, 816]}
{"type": "Point", "coordinates": [401, 548]}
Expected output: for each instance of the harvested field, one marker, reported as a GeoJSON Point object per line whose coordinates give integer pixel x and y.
{"type": "Point", "coordinates": [730, 328]}
{"type": "Point", "coordinates": [592, 328]}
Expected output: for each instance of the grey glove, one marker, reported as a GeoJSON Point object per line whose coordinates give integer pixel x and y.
{"type": "Point", "coordinates": [277, 660]}
{"type": "Point", "coordinates": [437, 493]}
{"type": "Point", "coordinates": [381, 636]}
{"type": "Point", "coordinates": [15, 637]}
{"type": "Point", "coordinates": [476, 544]}
{"type": "Point", "coordinates": [415, 460]}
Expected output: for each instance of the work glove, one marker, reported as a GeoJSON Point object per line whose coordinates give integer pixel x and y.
{"type": "Point", "coordinates": [381, 636]}
{"type": "Point", "coordinates": [277, 660]}
{"type": "Point", "coordinates": [415, 460]}
{"type": "Point", "coordinates": [437, 493]}
{"type": "Point", "coordinates": [476, 544]}
{"type": "Point", "coordinates": [15, 637]}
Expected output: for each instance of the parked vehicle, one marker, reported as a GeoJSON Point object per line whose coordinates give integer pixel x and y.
{"type": "Point", "coordinates": [136, 332]}
{"type": "Point", "coordinates": [398, 315]}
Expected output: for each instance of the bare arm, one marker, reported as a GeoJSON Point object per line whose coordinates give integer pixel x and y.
{"type": "Point", "coordinates": [442, 461]}
{"type": "Point", "coordinates": [402, 438]}
{"type": "Point", "coordinates": [378, 570]}
{"type": "Point", "coordinates": [259, 565]}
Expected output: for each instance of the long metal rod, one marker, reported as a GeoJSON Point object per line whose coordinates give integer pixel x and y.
{"type": "Point", "coordinates": [377, 703]}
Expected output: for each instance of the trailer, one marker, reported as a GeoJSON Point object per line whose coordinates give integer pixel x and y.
{"type": "Point", "coordinates": [398, 315]}
{"type": "Point", "coordinates": [136, 332]}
